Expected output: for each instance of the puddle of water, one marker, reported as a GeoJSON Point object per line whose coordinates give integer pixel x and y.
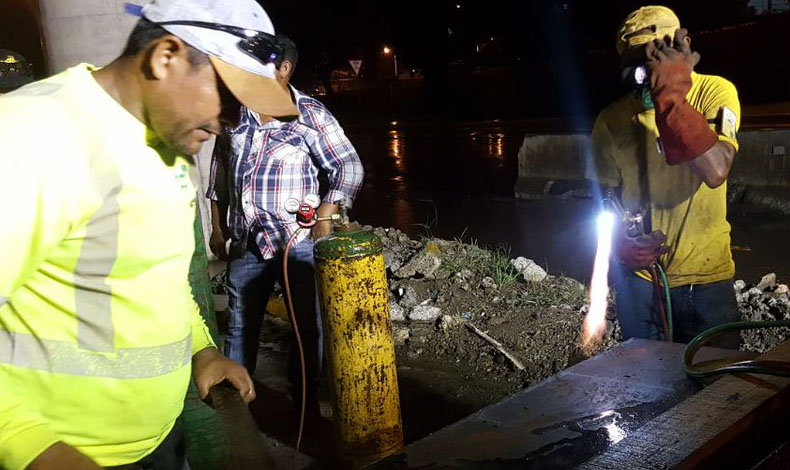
{"type": "Point", "coordinates": [449, 179]}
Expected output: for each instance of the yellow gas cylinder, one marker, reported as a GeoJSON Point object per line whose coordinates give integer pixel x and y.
{"type": "Point", "coordinates": [360, 350]}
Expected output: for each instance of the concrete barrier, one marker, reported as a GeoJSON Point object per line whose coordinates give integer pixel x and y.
{"type": "Point", "coordinates": [764, 158]}
{"type": "Point", "coordinates": [553, 165]}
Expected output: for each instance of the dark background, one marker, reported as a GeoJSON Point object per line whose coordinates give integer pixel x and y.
{"type": "Point", "coordinates": [507, 59]}
{"type": "Point", "coordinates": [489, 59]}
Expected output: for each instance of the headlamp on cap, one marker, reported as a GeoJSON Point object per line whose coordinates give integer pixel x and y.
{"type": "Point", "coordinates": [259, 45]}
{"type": "Point", "coordinates": [637, 76]}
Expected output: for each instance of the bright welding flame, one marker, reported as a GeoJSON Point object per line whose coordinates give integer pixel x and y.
{"type": "Point", "coordinates": [595, 322]}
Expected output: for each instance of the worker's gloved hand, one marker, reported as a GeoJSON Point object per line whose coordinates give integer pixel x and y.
{"type": "Point", "coordinates": [640, 252]}
{"type": "Point", "coordinates": [684, 131]}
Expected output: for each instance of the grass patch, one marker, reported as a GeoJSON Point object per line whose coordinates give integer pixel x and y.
{"type": "Point", "coordinates": [467, 256]}
{"type": "Point", "coordinates": [503, 273]}
{"type": "Point", "coordinates": [484, 262]}
{"type": "Point", "coordinates": [554, 292]}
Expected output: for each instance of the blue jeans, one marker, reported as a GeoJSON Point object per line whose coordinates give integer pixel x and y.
{"type": "Point", "coordinates": [250, 285]}
{"type": "Point", "coordinates": [695, 308]}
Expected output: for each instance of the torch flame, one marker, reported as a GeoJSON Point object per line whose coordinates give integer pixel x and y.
{"type": "Point", "coordinates": [595, 322]}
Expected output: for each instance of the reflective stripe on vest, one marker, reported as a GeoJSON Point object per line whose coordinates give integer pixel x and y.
{"type": "Point", "coordinates": [93, 294]}
{"type": "Point", "coordinates": [3, 301]}
{"type": "Point", "coordinates": [62, 357]}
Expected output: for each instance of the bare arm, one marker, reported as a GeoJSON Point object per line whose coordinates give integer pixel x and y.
{"type": "Point", "coordinates": [218, 230]}
{"type": "Point", "coordinates": [324, 227]}
{"type": "Point", "coordinates": [714, 165]}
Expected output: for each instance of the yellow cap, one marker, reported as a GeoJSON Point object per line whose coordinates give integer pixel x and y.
{"type": "Point", "coordinates": [644, 25]}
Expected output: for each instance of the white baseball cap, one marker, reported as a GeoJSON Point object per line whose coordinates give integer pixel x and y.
{"type": "Point", "coordinates": [238, 37]}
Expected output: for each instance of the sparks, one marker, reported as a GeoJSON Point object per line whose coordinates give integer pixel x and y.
{"type": "Point", "coordinates": [595, 321]}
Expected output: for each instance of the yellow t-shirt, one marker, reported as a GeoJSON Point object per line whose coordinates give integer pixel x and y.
{"type": "Point", "coordinates": [626, 155]}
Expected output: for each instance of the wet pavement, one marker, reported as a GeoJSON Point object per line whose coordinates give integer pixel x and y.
{"type": "Point", "coordinates": [594, 405]}
{"type": "Point", "coordinates": [455, 180]}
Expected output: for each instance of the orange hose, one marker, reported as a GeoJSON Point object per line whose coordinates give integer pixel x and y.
{"type": "Point", "coordinates": [298, 340]}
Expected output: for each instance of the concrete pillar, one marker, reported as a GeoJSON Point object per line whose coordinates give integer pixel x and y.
{"type": "Point", "coordinates": [76, 31]}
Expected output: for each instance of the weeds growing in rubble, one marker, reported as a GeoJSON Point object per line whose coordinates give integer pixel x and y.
{"type": "Point", "coordinates": [503, 273]}
{"type": "Point", "coordinates": [486, 263]}
{"type": "Point", "coordinates": [559, 291]}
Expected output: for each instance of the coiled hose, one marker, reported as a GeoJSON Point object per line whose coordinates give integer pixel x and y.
{"type": "Point", "coordinates": [730, 366]}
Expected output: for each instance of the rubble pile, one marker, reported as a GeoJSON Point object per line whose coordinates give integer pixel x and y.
{"type": "Point", "coordinates": [476, 321]}
{"type": "Point", "coordinates": [441, 291]}
{"type": "Point", "coordinates": [765, 301]}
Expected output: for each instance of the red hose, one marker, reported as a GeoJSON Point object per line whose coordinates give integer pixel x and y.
{"type": "Point", "coordinates": [289, 299]}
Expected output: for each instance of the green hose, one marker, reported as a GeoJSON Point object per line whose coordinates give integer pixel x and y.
{"type": "Point", "coordinates": [668, 300]}
{"type": "Point", "coordinates": [724, 366]}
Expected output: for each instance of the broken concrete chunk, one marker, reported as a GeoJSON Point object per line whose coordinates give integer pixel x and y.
{"type": "Point", "coordinates": [392, 260]}
{"type": "Point", "coordinates": [397, 313]}
{"type": "Point", "coordinates": [488, 283]}
{"type": "Point", "coordinates": [767, 282]}
{"type": "Point", "coordinates": [448, 322]}
{"type": "Point", "coordinates": [754, 292]}
{"type": "Point", "coordinates": [739, 285]}
{"type": "Point", "coordinates": [464, 275]}
{"type": "Point", "coordinates": [529, 270]}
{"type": "Point", "coordinates": [408, 297]}
{"type": "Point", "coordinates": [425, 313]}
{"type": "Point", "coordinates": [424, 263]}
{"type": "Point", "coordinates": [401, 335]}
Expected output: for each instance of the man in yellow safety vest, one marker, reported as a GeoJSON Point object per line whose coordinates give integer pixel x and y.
{"type": "Point", "coordinates": [99, 333]}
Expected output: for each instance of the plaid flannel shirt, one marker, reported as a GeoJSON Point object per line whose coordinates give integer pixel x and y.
{"type": "Point", "coordinates": [259, 166]}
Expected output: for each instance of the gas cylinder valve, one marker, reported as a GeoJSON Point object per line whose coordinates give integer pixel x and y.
{"type": "Point", "coordinates": [307, 214]}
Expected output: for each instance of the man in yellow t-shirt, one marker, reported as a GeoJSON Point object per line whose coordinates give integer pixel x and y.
{"type": "Point", "coordinates": [99, 332]}
{"type": "Point", "coordinates": [666, 149]}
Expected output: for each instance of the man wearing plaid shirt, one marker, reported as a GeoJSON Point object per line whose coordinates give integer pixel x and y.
{"type": "Point", "coordinates": [256, 168]}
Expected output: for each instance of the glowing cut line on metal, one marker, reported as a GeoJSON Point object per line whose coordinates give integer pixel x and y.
{"type": "Point", "coordinates": [595, 321]}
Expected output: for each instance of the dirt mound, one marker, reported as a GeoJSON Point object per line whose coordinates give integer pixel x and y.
{"type": "Point", "coordinates": [444, 294]}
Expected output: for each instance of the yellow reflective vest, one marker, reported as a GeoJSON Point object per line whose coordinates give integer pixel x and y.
{"type": "Point", "coordinates": [97, 321]}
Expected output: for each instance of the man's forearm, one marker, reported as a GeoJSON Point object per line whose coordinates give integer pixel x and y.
{"type": "Point", "coordinates": [219, 219]}
{"type": "Point", "coordinates": [324, 227]}
{"type": "Point", "coordinates": [713, 166]}
{"type": "Point", "coordinates": [326, 209]}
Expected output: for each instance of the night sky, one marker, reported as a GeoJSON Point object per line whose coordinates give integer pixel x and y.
{"type": "Point", "coordinates": [490, 59]}
{"type": "Point", "coordinates": [547, 57]}
{"type": "Point", "coordinates": [436, 30]}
